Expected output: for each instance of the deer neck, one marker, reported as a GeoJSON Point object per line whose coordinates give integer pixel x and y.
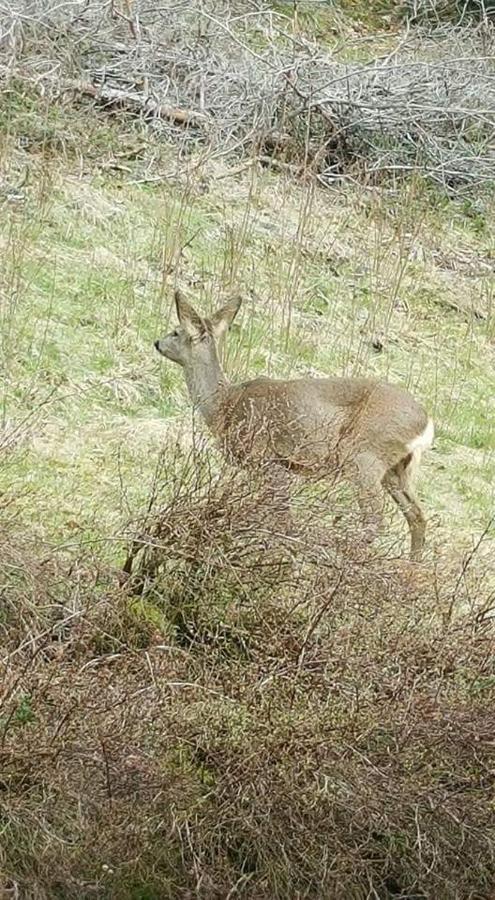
{"type": "Point", "coordinates": [207, 386]}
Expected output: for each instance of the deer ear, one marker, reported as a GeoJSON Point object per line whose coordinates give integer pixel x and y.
{"type": "Point", "coordinates": [191, 322]}
{"type": "Point", "coordinates": [223, 318]}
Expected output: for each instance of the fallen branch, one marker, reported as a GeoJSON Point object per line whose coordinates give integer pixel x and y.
{"type": "Point", "coordinates": [137, 103]}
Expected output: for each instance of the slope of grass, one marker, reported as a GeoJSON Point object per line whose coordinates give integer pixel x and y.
{"type": "Point", "coordinates": [347, 282]}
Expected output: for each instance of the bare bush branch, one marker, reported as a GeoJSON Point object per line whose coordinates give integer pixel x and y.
{"type": "Point", "coordinates": [235, 80]}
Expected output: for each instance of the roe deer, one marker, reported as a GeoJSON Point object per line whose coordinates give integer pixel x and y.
{"type": "Point", "coordinates": [372, 432]}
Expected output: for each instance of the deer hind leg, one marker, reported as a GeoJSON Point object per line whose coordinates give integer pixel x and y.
{"type": "Point", "coordinates": [397, 481]}
{"type": "Point", "coordinates": [368, 475]}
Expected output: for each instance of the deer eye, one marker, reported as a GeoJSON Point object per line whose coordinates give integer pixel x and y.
{"type": "Point", "coordinates": [175, 333]}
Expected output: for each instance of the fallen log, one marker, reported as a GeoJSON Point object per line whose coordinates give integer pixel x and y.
{"type": "Point", "coordinates": [137, 103]}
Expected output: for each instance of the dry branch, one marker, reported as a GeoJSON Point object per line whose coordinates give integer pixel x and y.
{"type": "Point", "coordinates": [428, 106]}
{"type": "Point", "coordinates": [136, 103]}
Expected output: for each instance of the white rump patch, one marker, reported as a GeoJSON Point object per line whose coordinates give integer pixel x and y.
{"type": "Point", "coordinates": [423, 441]}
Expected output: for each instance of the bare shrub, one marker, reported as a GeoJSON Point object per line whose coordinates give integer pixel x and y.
{"type": "Point", "coordinates": [225, 533]}
{"type": "Point", "coordinates": [458, 12]}
{"type": "Point", "coordinates": [253, 710]}
{"type": "Point", "coordinates": [237, 80]}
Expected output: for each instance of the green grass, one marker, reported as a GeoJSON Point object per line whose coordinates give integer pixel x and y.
{"type": "Point", "coordinates": [89, 263]}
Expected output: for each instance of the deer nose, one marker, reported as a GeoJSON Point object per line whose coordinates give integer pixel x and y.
{"type": "Point", "coordinates": [157, 345]}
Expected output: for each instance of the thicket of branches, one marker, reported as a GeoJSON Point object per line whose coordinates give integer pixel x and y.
{"type": "Point", "coordinates": [238, 78]}
{"type": "Point", "coordinates": [251, 711]}
{"type": "Point", "coordinates": [459, 12]}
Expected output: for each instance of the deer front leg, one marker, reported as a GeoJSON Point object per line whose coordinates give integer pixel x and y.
{"type": "Point", "coordinates": [368, 475]}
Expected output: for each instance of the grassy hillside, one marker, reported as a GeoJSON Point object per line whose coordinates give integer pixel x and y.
{"type": "Point", "coordinates": [259, 721]}
{"type": "Point", "coordinates": [350, 281]}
